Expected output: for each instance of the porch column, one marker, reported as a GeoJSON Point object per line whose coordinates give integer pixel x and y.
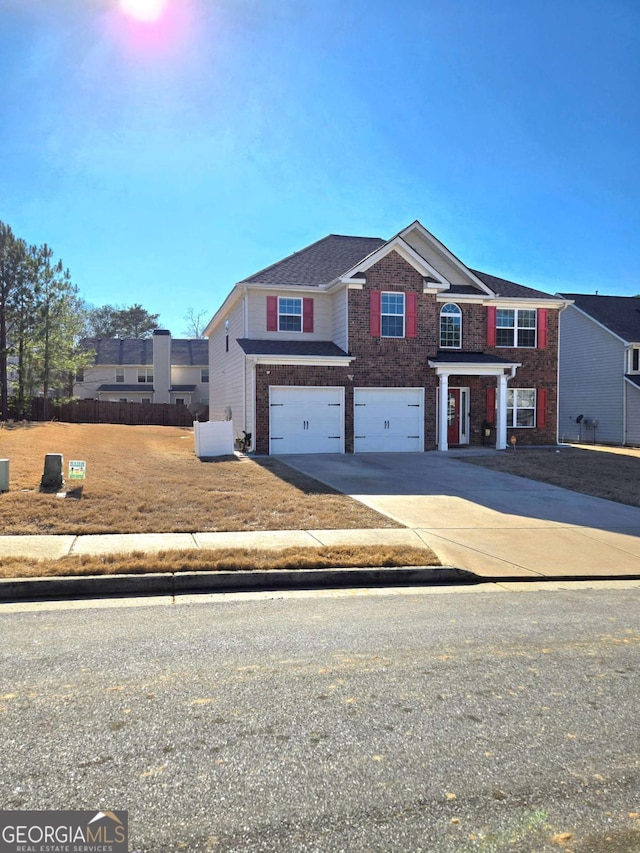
{"type": "Point", "coordinates": [443, 411]}
{"type": "Point", "coordinates": [501, 414]}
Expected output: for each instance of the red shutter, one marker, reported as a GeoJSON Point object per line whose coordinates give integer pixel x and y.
{"type": "Point", "coordinates": [374, 315]}
{"type": "Point", "coordinates": [542, 328]}
{"type": "Point", "coordinates": [307, 315]}
{"type": "Point", "coordinates": [412, 315]}
{"type": "Point", "coordinates": [272, 313]}
{"type": "Point", "coordinates": [541, 408]}
{"type": "Point", "coordinates": [491, 326]}
{"type": "Point", "coordinates": [491, 406]}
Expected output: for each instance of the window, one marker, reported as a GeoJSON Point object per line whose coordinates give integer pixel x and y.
{"type": "Point", "coordinates": [634, 360]}
{"type": "Point", "coordinates": [119, 374]}
{"type": "Point", "coordinates": [145, 374]}
{"type": "Point", "coordinates": [146, 400]}
{"type": "Point", "coordinates": [451, 326]}
{"type": "Point", "coordinates": [80, 374]}
{"type": "Point", "coordinates": [179, 401]}
{"type": "Point", "coordinates": [204, 374]}
{"type": "Point", "coordinates": [392, 315]}
{"type": "Point", "coordinates": [516, 327]}
{"type": "Point", "coordinates": [289, 315]}
{"type": "Point", "coordinates": [122, 400]}
{"type": "Point", "coordinates": [521, 407]}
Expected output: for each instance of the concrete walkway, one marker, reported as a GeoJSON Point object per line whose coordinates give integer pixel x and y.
{"type": "Point", "coordinates": [486, 522]}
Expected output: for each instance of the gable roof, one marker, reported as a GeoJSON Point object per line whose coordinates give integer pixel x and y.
{"type": "Point", "coordinates": [139, 351]}
{"type": "Point", "coordinates": [319, 263]}
{"type": "Point", "coordinates": [619, 314]}
{"type": "Point", "coordinates": [333, 256]}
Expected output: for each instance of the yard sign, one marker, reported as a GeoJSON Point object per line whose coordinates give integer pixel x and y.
{"type": "Point", "coordinates": [77, 469]}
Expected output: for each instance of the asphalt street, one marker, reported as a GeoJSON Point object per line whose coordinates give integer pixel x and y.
{"type": "Point", "coordinates": [461, 720]}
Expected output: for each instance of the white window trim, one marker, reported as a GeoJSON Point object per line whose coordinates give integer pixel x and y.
{"type": "Point", "coordinates": [386, 314]}
{"type": "Point", "coordinates": [147, 371]}
{"type": "Point", "coordinates": [280, 313]}
{"type": "Point", "coordinates": [631, 369]}
{"type": "Point", "coordinates": [120, 381]}
{"type": "Point", "coordinates": [448, 346]}
{"type": "Point", "coordinates": [516, 327]}
{"type": "Point", "coordinates": [204, 370]}
{"type": "Point", "coordinates": [513, 423]}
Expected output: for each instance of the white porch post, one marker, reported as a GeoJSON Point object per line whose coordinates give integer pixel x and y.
{"type": "Point", "coordinates": [501, 415]}
{"type": "Point", "coordinates": [443, 411]}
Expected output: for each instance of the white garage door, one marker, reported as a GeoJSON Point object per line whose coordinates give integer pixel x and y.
{"type": "Point", "coordinates": [306, 420]}
{"type": "Point", "coordinates": [388, 420]}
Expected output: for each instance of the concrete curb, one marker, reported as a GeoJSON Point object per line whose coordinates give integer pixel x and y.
{"type": "Point", "coordinates": [168, 583]}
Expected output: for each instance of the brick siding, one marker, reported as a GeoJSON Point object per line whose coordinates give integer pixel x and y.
{"type": "Point", "coordinates": [403, 362]}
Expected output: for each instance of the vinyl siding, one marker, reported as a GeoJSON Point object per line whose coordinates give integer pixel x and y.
{"type": "Point", "coordinates": [340, 334]}
{"type": "Point", "coordinates": [633, 414]}
{"type": "Point", "coordinates": [226, 370]}
{"type": "Point", "coordinates": [190, 376]}
{"type": "Point", "coordinates": [257, 323]}
{"type": "Point", "coordinates": [591, 378]}
{"type": "Point", "coordinates": [449, 270]}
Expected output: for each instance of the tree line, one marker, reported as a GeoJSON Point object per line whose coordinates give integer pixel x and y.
{"type": "Point", "coordinates": [43, 320]}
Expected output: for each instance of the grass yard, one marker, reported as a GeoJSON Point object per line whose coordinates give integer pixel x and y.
{"type": "Point", "coordinates": [604, 472]}
{"type": "Point", "coordinates": [231, 560]}
{"type": "Point", "coordinates": [146, 479]}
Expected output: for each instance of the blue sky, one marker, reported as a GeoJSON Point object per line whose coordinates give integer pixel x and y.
{"type": "Point", "coordinates": [165, 161]}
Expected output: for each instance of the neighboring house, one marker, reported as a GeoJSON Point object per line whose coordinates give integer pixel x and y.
{"type": "Point", "coordinates": [359, 344]}
{"type": "Point", "coordinates": [600, 369]}
{"type": "Point", "coordinates": [159, 369]}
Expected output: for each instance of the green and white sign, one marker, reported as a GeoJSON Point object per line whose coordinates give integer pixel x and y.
{"type": "Point", "coordinates": [77, 469]}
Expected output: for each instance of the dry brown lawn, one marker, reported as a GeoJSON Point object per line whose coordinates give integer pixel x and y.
{"type": "Point", "coordinates": [611, 473]}
{"type": "Point", "coordinates": [145, 479]}
{"type": "Point", "coordinates": [236, 559]}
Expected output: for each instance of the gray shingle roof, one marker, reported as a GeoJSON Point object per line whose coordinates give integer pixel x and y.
{"type": "Point", "coordinates": [139, 351]}
{"type": "Point", "coordinates": [633, 377]}
{"type": "Point", "coordinates": [331, 257]}
{"type": "Point", "coordinates": [509, 289]}
{"type": "Point", "coordinates": [120, 386]}
{"type": "Point", "coordinates": [447, 357]}
{"type": "Point", "coordinates": [620, 314]}
{"type": "Point", "coordinates": [318, 263]}
{"type": "Point", "coordinates": [320, 349]}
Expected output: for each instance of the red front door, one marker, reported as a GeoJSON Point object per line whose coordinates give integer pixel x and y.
{"type": "Point", "coordinates": [453, 417]}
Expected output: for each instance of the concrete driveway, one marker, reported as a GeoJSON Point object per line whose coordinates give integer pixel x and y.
{"type": "Point", "coordinates": [484, 521]}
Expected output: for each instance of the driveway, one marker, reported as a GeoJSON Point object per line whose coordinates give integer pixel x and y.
{"type": "Point", "coordinates": [484, 521]}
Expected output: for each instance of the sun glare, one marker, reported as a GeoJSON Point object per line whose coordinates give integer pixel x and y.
{"type": "Point", "coordinates": [143, 10]}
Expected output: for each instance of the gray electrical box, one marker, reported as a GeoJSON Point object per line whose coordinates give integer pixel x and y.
{"type": "Point", "coordinates": [4, 475]}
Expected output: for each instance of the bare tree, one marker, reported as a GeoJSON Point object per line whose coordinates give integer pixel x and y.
{"type": "Point", "coordinates": [196, 322]}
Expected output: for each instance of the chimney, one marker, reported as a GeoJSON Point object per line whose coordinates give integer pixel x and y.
{"type": "Point", "coordinates": [161, 366]}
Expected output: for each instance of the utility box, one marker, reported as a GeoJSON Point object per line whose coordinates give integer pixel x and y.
{"type": "Point", "coordinates": [4, 475]}
{"type": "Point", "coordinates": [52, 478]}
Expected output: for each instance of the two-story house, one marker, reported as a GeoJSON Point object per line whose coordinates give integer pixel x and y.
{"type": "Point", "coordinates": [600, 369]}
{"type": "Point", "coordinates": [159, 369]}
{"type": "Point", "coordinates": [358, 344]}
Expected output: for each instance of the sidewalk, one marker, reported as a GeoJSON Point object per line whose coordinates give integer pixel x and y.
{"type": "Point", "coordinates": [44, 546]}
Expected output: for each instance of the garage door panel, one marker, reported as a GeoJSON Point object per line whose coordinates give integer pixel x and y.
{"type": "Point", "coordinates": [306, 420]}
{"type": "Point", "coordinates": [388, 420]}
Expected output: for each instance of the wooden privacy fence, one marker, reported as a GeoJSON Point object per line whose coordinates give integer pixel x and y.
{"type": "Point", "coordinates": [104, 412]}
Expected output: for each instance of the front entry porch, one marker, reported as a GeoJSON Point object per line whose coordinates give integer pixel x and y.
{"type": "Point", "coordinates": [454, 404]}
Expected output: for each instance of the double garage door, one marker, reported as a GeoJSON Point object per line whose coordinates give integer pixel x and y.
{"type": "Point", "coordinates": [311, 420]}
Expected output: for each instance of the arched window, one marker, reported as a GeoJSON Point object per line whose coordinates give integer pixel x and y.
{"type": "Point", "coordinates": [451, 326]}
